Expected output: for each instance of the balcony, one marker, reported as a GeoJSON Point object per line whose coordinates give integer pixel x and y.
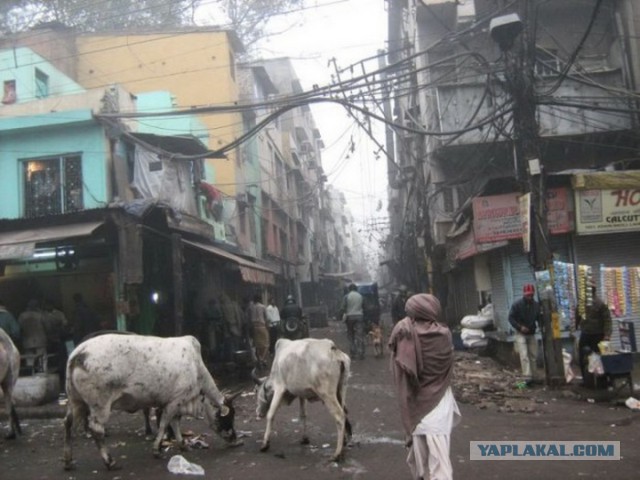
{"type": "Point", "coordinates": [459, 101]}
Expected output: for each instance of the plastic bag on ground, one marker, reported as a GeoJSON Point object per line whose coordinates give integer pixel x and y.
{"type": "Point", "coordinates": [179, 464]}
{"type": "Point", "coordinates": [632, 403]}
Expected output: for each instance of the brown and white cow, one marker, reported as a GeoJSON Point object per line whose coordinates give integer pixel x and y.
{"type": "Point", "coordinates": [9, 372]}
{"type": "Point", "coordinates": [309, 369]}
{"type": "Point", "coordinates": [133, 372]}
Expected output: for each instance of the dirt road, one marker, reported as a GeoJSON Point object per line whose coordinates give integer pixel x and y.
{"type": "Point", "coordinates": [498, 413]}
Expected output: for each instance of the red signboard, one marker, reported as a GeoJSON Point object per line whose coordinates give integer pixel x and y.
{"type": "Point", "coordinates": [497, 217]}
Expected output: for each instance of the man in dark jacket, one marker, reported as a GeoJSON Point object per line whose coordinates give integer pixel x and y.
{"type": "Point", "coordinates": [291, 320]}
{"type": "Point", "coordinates": [397, 306]}
{"type": "Point", "coordinates": [523, 317]}
{"type": "Point", "coordinates": [595, 327]}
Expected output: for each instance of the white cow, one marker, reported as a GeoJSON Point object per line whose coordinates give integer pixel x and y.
{"type": "Point", "coordinates": [133, 372]}
{"type": "Point", "coordinates": [309, 369]}
{"type": "Point", "coordinates": [9, 372]}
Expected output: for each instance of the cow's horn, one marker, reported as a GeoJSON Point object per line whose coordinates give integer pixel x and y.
{"type": "Point", "coordinates": [256, 379]}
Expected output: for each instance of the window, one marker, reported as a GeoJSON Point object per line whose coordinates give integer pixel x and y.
{"type": "Point", "coordinates": [447, 199]}
{"type": "Point", "coordinates": [42, 84]}
{"type": "Point", "coordinates": [52, 185]}
{"type": "Point", "coordinates": [547, 62]}
{"type": "Point", "coordinates": [252, 218]}
{"type": "Point", "coordinates": [10, 95]}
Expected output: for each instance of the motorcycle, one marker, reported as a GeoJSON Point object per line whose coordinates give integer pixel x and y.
{"type": "Point", "coordinates": [295, 328]}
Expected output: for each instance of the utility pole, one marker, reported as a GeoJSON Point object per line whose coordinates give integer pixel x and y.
{"type": "Point", "coordinates": [520, 63]}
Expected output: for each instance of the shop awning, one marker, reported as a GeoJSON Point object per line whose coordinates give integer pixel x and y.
{"type": "Point", "coordinates": [628, 179]}
{"type": "Point", "coordinates": [251, 272]}
{"type": "Point", "coordinates": [22, 243]}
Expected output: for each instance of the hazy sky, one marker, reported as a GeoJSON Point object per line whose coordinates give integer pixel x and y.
{"type": "Point", "coordinates": [349, 31]}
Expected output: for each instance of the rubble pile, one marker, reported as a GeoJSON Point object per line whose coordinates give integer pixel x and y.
{"type": "Point", "coordinates": [483, 382]}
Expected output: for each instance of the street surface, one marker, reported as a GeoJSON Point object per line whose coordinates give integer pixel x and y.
{"type": "Point", "coordinates": [377, 450]}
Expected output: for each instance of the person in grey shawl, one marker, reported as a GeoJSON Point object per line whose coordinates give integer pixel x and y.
{"type": "Point", "coordinates": [422, 365]}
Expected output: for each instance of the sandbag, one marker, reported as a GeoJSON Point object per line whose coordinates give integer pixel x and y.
{"type": "Point", "coordinates": [476, 321]}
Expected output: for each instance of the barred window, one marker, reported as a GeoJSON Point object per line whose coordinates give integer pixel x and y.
{"type": "Point", "coordinates": [52, 185]}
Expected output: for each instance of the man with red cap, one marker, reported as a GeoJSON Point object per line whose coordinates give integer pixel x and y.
{"type": "Point", "coordinates": [523, 317]}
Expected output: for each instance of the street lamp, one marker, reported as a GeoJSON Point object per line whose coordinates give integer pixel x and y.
{"type": "Point", "coordinates": [520, 84]}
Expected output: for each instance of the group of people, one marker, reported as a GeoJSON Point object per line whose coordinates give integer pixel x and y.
{"type": "Point", "coordinates": [42, 329]}
{"type": "Point", "coordinates": [230, 327]}
{"type": "Point", "coordinates": [524, 317]}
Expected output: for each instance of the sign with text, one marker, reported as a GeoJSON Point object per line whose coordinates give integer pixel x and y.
{"type": "Point", "coordinates": [498, 217]}
{"type": "Point", "coordinates": [606, 211]}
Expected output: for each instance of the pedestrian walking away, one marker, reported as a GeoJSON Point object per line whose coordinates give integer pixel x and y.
{"type": "Point", "coordinates": [258, 314]}
{"type": "Point", "coordinates": [524, 316]}
{"type": "Point", "coordinates": [292, 322]}
{"type": "Point", "coordinates": [273, 318]}
{"type": "Point", "coordinates": [354, 318]}
{"type": "Point", "coordinates": [422, 366]}
{"type": "Point", "coordinates": [34, 337]}
{"type": "Point", "coordinates": [397, 305]}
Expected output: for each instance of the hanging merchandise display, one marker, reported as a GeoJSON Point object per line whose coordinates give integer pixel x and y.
{"type": "Point", "coordinates": [620, 290]}
{"type": "Point", "coordinates": [585, 295]}
{"type": "Point", "coordinates": [565, 291]}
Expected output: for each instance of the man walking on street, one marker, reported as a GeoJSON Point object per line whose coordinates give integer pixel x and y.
{"type": "Point", "coordinates": [352, 308]}
{"type": "Point", "coordinates": [523, 317]}
{"type": "Point", "coordinates": [422, 366]}
{"type": "Point", "coordinates": [273, 318]}
{"type": "Point", "coordinates": [397, 306]}
{"type": "Point", "coordinates": [260, 333]}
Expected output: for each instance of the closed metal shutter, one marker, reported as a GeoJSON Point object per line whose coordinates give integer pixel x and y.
{"type": "Point", "coordinates": [521, 270]}
{"type": "Point", "coordinates": [619, 250]}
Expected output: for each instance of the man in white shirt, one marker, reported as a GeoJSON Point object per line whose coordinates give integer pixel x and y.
{"type": "Point", "coordinates": [273, 319]}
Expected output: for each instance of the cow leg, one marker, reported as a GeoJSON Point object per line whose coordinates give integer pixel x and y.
{"type": "Point", "coordinates": [275, 403]}
{"type": "Point", "coordinates": [97, 420]}
{"type": "Point", "coordinates": [303, 418]}
{"type": "Point", "coordinates": [339, 415]}
{"type": "Point", "coordinates": [14, 422]}
{"type": "Point", "coordinates": [167, 417]}
{"type": "Point", "coordinates": [68, 423]}
{"type": "Point", "coordinates": [174, 426]}
{"type": "Point", "coordinates": [147, 422]}
{"type": "Point", "coordinates": [76, 411]}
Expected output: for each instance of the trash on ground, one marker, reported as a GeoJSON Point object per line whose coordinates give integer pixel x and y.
{"type": "Point", "coordinates": [180, 465]}
{"type": "Point", "coordinates": [632, 403]}
{"type": "Point", "coordinates": [197, 442]}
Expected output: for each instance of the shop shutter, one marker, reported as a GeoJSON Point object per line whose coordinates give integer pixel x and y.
{"type": "Point", "coordinates": [616, 250]}
{"type": "Point", "coordinates": [521, 270]}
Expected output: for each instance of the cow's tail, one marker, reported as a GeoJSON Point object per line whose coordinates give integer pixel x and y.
{"type": "Point", "coordinates": [345, 372]}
